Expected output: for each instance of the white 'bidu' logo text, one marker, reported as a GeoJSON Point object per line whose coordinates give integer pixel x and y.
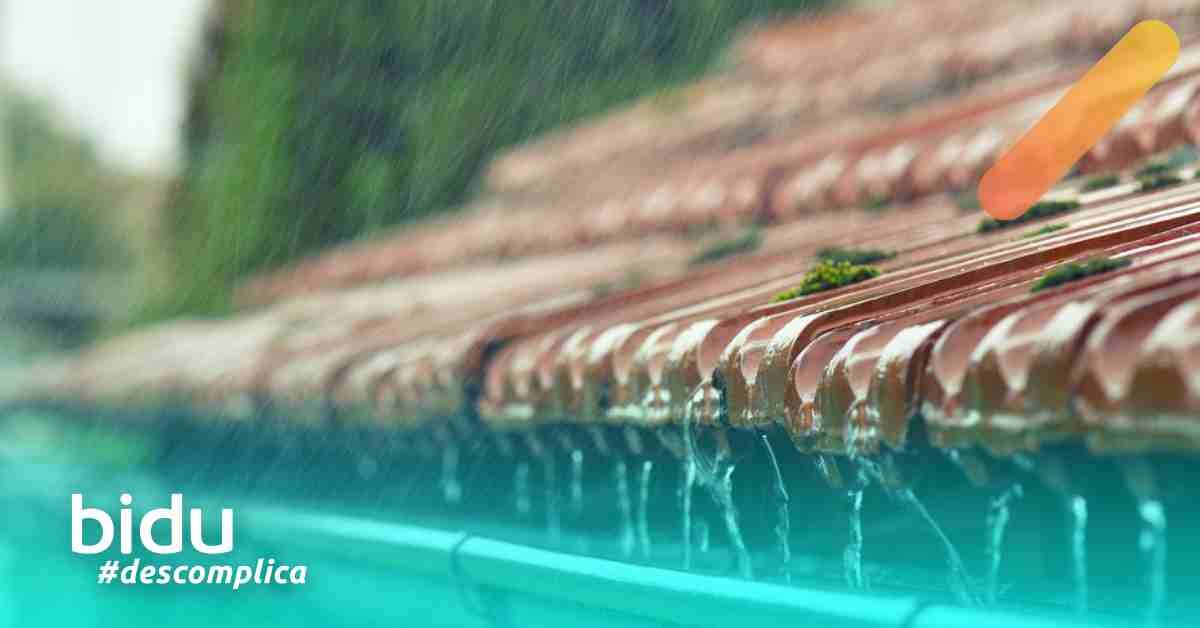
{"type": "Point", "coordinates": [170, 517]}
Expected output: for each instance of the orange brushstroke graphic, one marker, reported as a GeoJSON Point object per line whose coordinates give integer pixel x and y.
{"type": "Point", "coordinates": [1081, 118]}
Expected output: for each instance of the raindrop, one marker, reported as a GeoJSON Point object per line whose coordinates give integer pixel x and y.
{"type": "Point", "coordinates": [521, 489]}
{"type": "Point", "coordinates": [451, 487]}
{"type": "Point", "coordinates": [960, 582]}
{"type": "Point", "coordinates": [996, 524]}
{"type": "Point", "coordinates": [783, 523]}
{"type": "Point", "coordinates": [624, 507]}
{"type": "Point", "coordinates": [643, 515]}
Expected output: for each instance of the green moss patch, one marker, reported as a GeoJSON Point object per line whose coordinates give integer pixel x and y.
{"type": "Point", "coordinates": [1058, 226]}
{"type": "Point", "coordinates": [1150, 183]}
{"type": "Point", "coordinates": [853, 256]}
{"type": "Point", "coordinates": [877, 203]}
{"type": "Point", "coordinates": [1042, 209]}
{"type": "Point", "coordinates": [1101, 182]}
{"type": "Point", "coordinates": [744, 242]}
{"type": "Point", "coordinates": [1153, 169]}
{"type": "Point", "coordinates": [828, 275]}
{"type": "Point", "coordinates": [1074, 271]}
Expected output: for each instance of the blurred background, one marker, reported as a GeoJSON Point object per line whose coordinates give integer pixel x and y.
{"type": "Point", "coordinates": [154, 153]}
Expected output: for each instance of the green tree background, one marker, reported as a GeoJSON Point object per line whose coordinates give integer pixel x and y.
{"type": "Point", "coordinates": [314, 124]}
{"type": "Point", "coordinates": [60, 196]}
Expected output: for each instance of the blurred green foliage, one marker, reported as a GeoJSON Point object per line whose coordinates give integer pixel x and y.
{"type": "Point", "coordinates": [315, 124]}
{"type": "Point", "coordinates": [58, 194]}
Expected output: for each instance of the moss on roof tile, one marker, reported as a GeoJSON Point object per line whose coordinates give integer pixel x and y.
{"type": "Point", "coordinates": [744, 242]}
{"type": "Point", "coordinates": [1152, 169]}
{"type": "Point", "coordinates": [853, 255]}
{"type": "Point", "coordinates": [827, 275]}
{"type": "Point", "coordinates": [1047, 229]}
{"type": "Point", "coordinates": [1100, 182]}
{"type": "Point", "coordinates": [1074, 271]}
{"type": "Point", "coordinates": [1149, 183]}
{"type": "Point", "coordinates": [1041, 209]}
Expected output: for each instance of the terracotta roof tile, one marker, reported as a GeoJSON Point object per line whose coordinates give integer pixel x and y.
{"type": "Point", "coordinates": [427, 332]}
{"type": "Point", "coordinates": [931, 149]}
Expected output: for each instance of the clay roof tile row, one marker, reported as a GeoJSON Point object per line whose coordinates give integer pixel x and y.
{"type": "Point", "coordinates": [932, 149]}
{"type": "Point", "coordinates": [952, 331]}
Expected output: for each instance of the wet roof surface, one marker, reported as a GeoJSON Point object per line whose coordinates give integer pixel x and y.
{"type": "Point", "coordinates": [582, 291]}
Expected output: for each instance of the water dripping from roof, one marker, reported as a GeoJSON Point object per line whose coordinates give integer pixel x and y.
{"type": "Point", "coordinates": [624, 507]}
{"type": "Point", "coordinates": [643, 508]}
{"type": "Point", "coordinates": [687, 484]}
{"type": "Point", "coordinates": [523, 501]}
{"type": "Point", "coordinates": [576, 489]}
{"type": "Point", "coordinates": [451, 485]}
{"type": "Point", "coordinates": [553, 508]}
{"type": "Point", "coordinates": [1077, 510]}
{"type": "Point", "coordinates": [716, 476]}
{"type": "Point", "coordinates": [960, 582]}
{"type": "Point", "coordinates": [783, 522]}
{"type": "Point", "coordinates": [722, 493]}
{"type": "Point", "coordinates": [703, 536]}
{"type": "Point", "coordinates": [1152, 542]}
{"type": "Point", "coordinates": [852, 567]}
{"type": "Point", "coordinates": [575, 498]}
{"type": "Point", "coordinates": [996, 523]}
